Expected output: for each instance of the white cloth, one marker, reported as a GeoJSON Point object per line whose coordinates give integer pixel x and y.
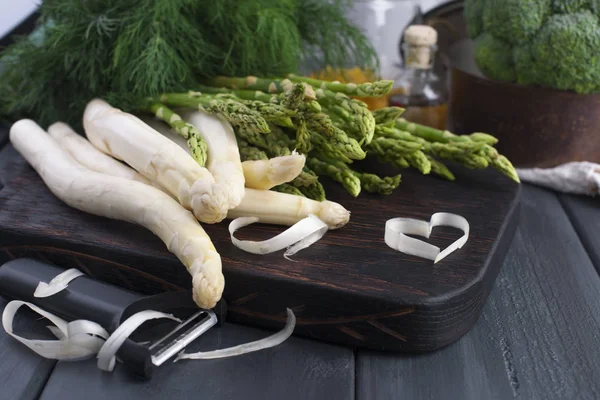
{"type": "Point", "coordinates": [573, 177]}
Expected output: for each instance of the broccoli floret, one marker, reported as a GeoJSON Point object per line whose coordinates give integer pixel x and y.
{"type": "Point", "coordinates": [494, 58]}
{"type": "Point", "coordinates": [551, 43]}
{"type": "Point", "coordinates": [514, 21]}
{"type": "Point", "coordinates": [572, 6]}
{"type": "Point", "coordinates": [526, 72]}
{"type": "Point", "coordinates": [474, 16]}
{"type": "Point", "coordinates": [566, 53]}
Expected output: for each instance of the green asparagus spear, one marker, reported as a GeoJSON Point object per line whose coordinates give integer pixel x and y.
{"type": "Point", "coordinates": [315, 192]}
{"type": "Point", "coordinates": [440, 169]}
{"type": "Point", "coordinates": [419, 160]}
{"type": "Point", "coordinates": [397, 134]}
{"type": "Point", "coordinates": [499, 162]}
{"type": "Point", "coordinates": [354, 112]}
{"type": "Point", "coordinates": [319, 123]}
{"type": "Point", "coordinates": [289, 189]}
{"type": "Point", "coordinates": [484, 138]}
{"type": "Point", "coordinates": [262, 84]}
{"type": "Point", "coordinates": [271, 112]}
{"type": "Point", "coordinates": [250, 153]}
{"type": "Point", "coordinates": [312, 106]}
{"type": "Point", "coordinates": [235, 112]}
{"type": "Point", "coordinates": [308, 183]}
{"type": "Point", "coordinates": [394, 152]}
{"type": "Point", "coordinates": [465, 153]}
{"type": "Point", "coordinates": [387, 115]}
{"type": "Point", "coordinates": [399, 162]}
{"type": "Point", "coordinates": [473, 151]}
{"type": "Point", "coordinates": [345, 124]}
{"type": "Point", "coordinates": [342, 175]}
{"type": "Point", "coordinates": [306, 178]}
{"type": "Point", "coordinates": [275, 143]}
{"type": "Point", "coordinates": [370, 89]}
{"type": "Point", "coordinates": [291, 100]}
{"type": "Point", "coordinates": [294, 98]}
{"type": "Point", "coordinates": [303, 143]}
{"type": "Point", "coordinates": [391, 144]}
{"type": "Point", "coordinates": [195, 142]}
{"type": "Point", "coordinates": [374, 184]}
{"type": "Point", "coordinates": [339, 146]}
{"type": "Point", "coordinates": [436, 135]}
{"type": "Point", "coordinates": [284, 143]}
{"type": "Point", "coordinates": [473, 161]}
{"type": "Point", "coordinates": [240, 94]}
{"type": "Point", "coordinates": [393, 147]}
{"type": "Point", "coordinates": [266, 143]}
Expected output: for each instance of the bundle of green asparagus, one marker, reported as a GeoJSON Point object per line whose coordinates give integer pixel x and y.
{"type": "Point", "coordinates": [329, 124]}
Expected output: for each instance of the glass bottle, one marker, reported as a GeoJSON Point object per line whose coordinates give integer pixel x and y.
{"type": "Point", "coordinates": [417, 88]}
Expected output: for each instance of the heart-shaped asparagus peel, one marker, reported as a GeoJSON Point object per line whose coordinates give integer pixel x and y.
{"type": "Point", "coordinates": [398, 229]}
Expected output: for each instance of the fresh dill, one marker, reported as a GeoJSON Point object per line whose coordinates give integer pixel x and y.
{"type": "Point", "coordinates": [132, 49]}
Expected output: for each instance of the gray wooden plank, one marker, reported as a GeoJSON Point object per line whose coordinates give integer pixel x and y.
{"type": "Point", "coordinates": [537, 337]}
{"type": "Point", "coordinates": [3, 135]}
{"type": "Point", "coordinates": [8, 154]}
{"type": "Point", "coordinates": [584, 213]}
{"type": "Point", "coordinates": [297, 369]}
{"type": "Point", "coordinates": [23, 373]}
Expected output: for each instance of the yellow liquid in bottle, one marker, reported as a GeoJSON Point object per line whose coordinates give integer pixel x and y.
{"type": "Point", "coordinates": [420, 110]}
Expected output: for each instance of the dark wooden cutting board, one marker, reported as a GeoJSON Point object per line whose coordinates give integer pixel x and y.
{"type": "Point", "coordinates": [348, 288]}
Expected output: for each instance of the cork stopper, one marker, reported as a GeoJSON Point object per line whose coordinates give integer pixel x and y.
{"type": "Point", "coordinates": [420, 35]}
{"type": "Point", "coordinates": [420, 44]}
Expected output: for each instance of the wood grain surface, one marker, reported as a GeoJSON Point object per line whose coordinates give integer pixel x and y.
{"type": "Point", "coordinates": [348, 288]}
{"type": "Point", "coordinates": [584, 213]}
{"type": "Point", "coordinates": [536, 339]}
{"type": "Point", "coordinates": [3, 137]}
{"type": "Point", "coordinates": [298, 369]}
{"type": "Point", "coordinates": [538, 334]}
{"type": "Point", "coordinates": [23, 374]}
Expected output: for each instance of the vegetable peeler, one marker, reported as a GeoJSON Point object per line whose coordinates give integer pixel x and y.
{"type": "Point", "coordinates": [108, 305]}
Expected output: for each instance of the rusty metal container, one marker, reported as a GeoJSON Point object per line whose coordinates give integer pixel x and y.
{"type": "Point", "coordinates": [537, 127]}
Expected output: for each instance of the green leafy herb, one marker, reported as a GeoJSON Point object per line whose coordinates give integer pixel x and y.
{"type": "Point", "coordinates": [131, 49]}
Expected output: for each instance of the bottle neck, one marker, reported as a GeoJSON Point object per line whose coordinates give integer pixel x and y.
{"type": "Point", "coordinates": [420, 73]}
{"type": "Point", "coordinates": [420, 58]}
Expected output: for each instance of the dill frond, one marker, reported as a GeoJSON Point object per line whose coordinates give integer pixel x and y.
{"type": "Point", "coordinates": [329, 39]}
{"type": "Point", "coordinates": [133, 49]}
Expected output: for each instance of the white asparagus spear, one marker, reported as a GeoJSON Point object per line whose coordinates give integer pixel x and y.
{"type": "Point", "coordinates": [90, 157]}
{"type": "Point", "coordinates": [223, 153]}
{"type": "Point", "coordinates": [266, 174]}
{"type": "Point", "coordinates": [167, 131]}
{"type": "Point", "coordinates": [259, 174]}
{"type": "Point", "coordinates": [127, 200]}
{"type": "Point", "coordinates": [127, 138]}
{"type": "Point", "coordinates": [272, 207]}
{"type": "Point", "coordinates": [286, 209]}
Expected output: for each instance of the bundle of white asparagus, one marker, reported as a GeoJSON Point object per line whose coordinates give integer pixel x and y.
{"type": "Point", "coordinates": [138, 172]}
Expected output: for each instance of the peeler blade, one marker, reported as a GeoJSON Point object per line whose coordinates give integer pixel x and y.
{"type": "Point", "coordinates": [182, 335]}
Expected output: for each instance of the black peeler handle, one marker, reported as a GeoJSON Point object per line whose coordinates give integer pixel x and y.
{"type": "Point", "coordinates": [84, 298]}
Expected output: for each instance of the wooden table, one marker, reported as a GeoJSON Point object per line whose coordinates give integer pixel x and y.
{"type": "Point", "coordinates": [538, 338]}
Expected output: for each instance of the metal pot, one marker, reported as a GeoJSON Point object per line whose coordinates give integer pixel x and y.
{"type": "Point", "coordinates": [537, 127]}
